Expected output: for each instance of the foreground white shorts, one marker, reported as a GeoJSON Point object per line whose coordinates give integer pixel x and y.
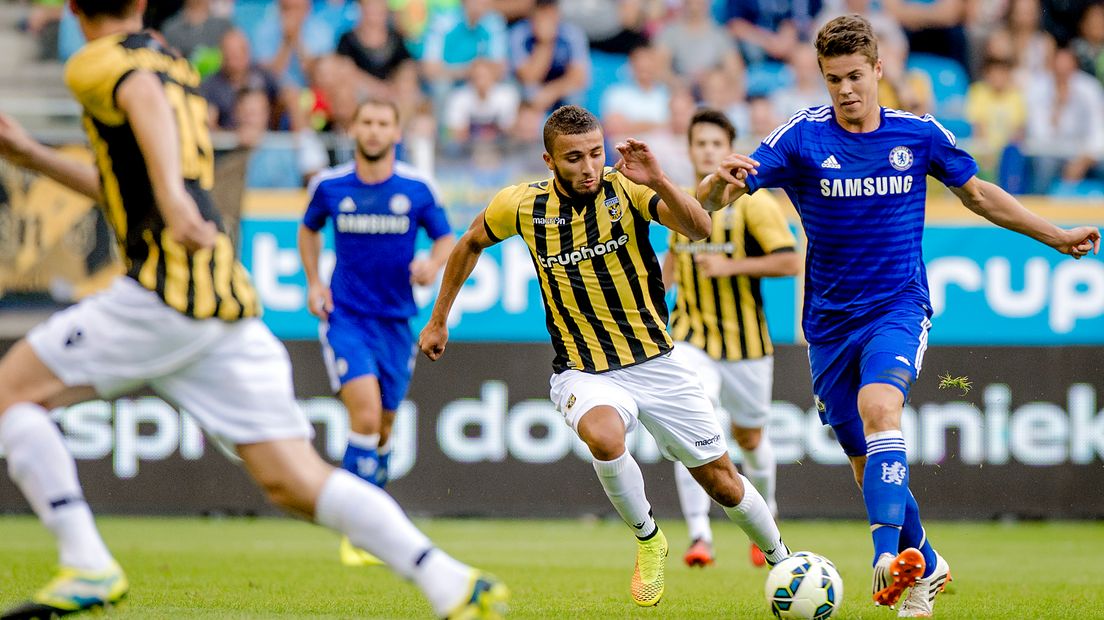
{"type": "Point", "coordinates": [233, 378]}
{"type": "Point", "coordinates": [741, 388]}
{"type": "Point", "coordinates": [663, 393]}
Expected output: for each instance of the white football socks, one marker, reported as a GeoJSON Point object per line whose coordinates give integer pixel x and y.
{"type": "Point", "coordinates": [374, 521]}
{"type": "Point", "coordinates": [44, 470]}
{"type": "Point", "coordinates": [624, 485]}
{"type": "Point", "coordinates": [754, 517]}
{"type": "Point", "coordinates": [761, 468]}
{"type": "Point", "coordinates": [365, 442]}
{"type": "Point", "coordinates": [695, 504]}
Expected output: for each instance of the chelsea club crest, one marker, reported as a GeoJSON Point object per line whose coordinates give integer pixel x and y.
{"type": "Point", "coordinates": [900, 158]}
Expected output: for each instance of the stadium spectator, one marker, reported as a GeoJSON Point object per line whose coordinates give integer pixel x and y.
{"type": "Point", "coordinates": [934, 27]}
{"type": "Point", "coordinates": [43, 22]}
{"type": "Point", "coordinates": [513, 11]}
{"type": "Point", "coordinates": [1066, 108]}
{"type": "Point", "coordinates": [886, 27]}
{"type": "Point", "coordinates": [1060, 18]}
{"type": "Point", "coordinates": [160, 11]}
{"type": "Point", "coordinates": [549, 57]}
{"type": "Point", "coordinates": [413, 18]}
{"type": "Point", "coordinates": [997, 112]}
{"type": "Point", "coordinates": [238, 72]}
{"type": "Point", "coordinates": [454, 40]}
{"type": "Point", "coordinates": [196, 33]}
{"type": "Point", "coordinates": [769, 30]}
{"type": "Point", "coordinates": [484, 109]}
{"type": "Point", "coordinates": [729, 95]}
{"type": "Point", "coordinates": [614, 26]}
{"type": "Point", "coordinates": [761, 117]}
{"type": "Point", "coordinates": [694, 44]}
{"type": "Point", "coordinates": [1089, 44]}
{"type": "Point", "coordinates": [289, 39]}
{"type": "Point", "coordinates": [807, 89]}
{"type": "Point", "coordinates": [641, 105]}
{"type": "Point", "coordinates": [374, 44]}
{"type": "Point", "coordinates": [1032, 45]}
{"type": "Point", "coordinates": [902, 88]}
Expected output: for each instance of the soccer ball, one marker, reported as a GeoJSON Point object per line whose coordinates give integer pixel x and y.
{"type": "Point", "coordinates": [804, 586]}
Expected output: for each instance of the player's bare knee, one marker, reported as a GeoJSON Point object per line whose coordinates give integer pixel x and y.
{"type": "Point", "coordinates": [603, 431]}
{"type": "Point", "coordinates": [747, 438]}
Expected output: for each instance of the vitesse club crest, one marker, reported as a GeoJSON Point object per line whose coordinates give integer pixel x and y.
{"type": "Point", "coordinates": [900, 158]}
{"type": "Point", "coordinates": [613, 205]}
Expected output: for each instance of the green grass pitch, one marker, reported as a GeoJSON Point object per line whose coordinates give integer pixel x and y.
{"type": "Point", "coordinates": [272, 568]}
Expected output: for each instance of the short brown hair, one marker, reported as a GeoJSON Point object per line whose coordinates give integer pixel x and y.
{"type": "Point", "coordinates": [378, 102]}
{"type": "Point", "coordinates": [109, 8]}
{"type": "Point", "coordinates": [569, 120]}
{"type": "Point", "coordinates": [710, 116]}
{"type": "Point", "coordinates": [846, 35]}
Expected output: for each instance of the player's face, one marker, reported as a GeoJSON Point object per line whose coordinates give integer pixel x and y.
{"type": "Point", "coordinates": [376, 130]}
{"type": "Point", "coordinates": [577, 163]}
{"type": "Point", "coordinates": [708, 146]}
{"type": "Point", "coordinates": [853, 84]}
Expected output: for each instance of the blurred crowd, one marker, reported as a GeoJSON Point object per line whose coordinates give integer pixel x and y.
{"type": "Point", "coordinates": [1021, 78]}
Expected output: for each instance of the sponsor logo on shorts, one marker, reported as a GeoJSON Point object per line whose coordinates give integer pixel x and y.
{"type": "Point", "coordinates": [819, 404]}
{"type": "Point", "coordinates": [570, 401]}
{"type": "Point", "coordinates": [342, 366]}
{"type": "Point", "coordinates": [708, 442]}
{"type": "Point", "coordinates": [74, 337]}
{"type": "Point", "coordinates": [903, 360]}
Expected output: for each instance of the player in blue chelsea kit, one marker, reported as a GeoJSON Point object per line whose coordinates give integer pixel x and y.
{"type": "Point", "coordinates": [856, 173]}
{"type": "Point", "coordinates": [377, 206]}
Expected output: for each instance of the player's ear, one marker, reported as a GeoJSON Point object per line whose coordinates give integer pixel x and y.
{"type": "Point", "coordinates": [878, 69]}
{"type": "Point", "coordinates": [548, 161]}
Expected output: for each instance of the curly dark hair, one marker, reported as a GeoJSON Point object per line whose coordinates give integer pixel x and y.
{"type": "Point", "coordinates": [109, 8]}
{"type": "Point", "coordinates": [710, 116]}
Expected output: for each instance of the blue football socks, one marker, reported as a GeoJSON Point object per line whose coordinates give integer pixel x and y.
{"type": "Point", "coordinates": [885, 489]}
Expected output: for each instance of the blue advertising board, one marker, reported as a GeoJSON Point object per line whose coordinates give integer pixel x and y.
{"type": "Point", "coordinates": [989, 287]}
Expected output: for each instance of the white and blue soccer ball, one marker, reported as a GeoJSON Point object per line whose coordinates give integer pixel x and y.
{"type": "Point", "coordinates": [804, 586]}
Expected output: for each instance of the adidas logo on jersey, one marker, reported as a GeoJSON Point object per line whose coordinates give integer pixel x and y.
{"type": "Point", "coordinates": [830, 163]}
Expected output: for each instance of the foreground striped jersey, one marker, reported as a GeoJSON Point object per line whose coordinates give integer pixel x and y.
{"type": "Point", "coordinates": [210, 283]}
{"type": "Point", "coordinates": [724, 316]}
{"type": "Point", "coordinates": [861, 199]}
{"type": "Point", "coordinates": [599, 276]}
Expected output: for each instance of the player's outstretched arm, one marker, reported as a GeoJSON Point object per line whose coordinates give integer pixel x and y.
{"type": "Point", "coordinates": [18, 147]}
{"type": "Point", "coordinates": [677, 210]}
{"type": "Point", "coordinates": [998, 206]}
{"type": "Point", "coordinates": [142, 97]}
{"type": "Point", "coordinates": [727, 184]}
{"type": "Point", "coordinates": [465, 254]}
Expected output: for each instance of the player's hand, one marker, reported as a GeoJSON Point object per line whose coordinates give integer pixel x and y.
{"type": "Point", "coordinates": [735, 169]}
{"type": "Point", "coordinates": [422, 272]}
{"type": "Point", "coordinates": [16, 145]}
{"type": "Point", "coordinates": [714, 265]}
{"type": "Point", "coordinates": [638, 163]}
{"type": "Point", "coordinates": [320, 300]}
{"type": "Point", "coordinates": [1078, 242]}
{"type": "Point", "coordinates": [194, 236]}
{"type": "Point", "coordinates": [433, 339]}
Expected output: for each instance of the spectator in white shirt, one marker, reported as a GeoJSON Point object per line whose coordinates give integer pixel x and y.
{"type": "Point", "coordinates": [639, 106]}
{"type": "Point", "coordinates": [484, 108]}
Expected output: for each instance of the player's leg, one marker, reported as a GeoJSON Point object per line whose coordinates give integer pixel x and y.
{"type": "Point", "coordinates": [241, 392]}
{"type": "Point", "coordinates": [396, 351]}
{"type": "Point", "coordinates": [353, 370]}
{"type": "Point", "coordinates": [891, 360]}
{"type": "Point", "coordinates": [601, 412]}
{"type": "Point", "coordinates": [55, 366]}
{"type": "Point", "coordinates": [693, 500]}
{"type": "Point", "coordinates": [743, 504]}
{"type": "Point", "coordinates": [675, 410]}
{"type": "Point", "coordinates": [746, 395]}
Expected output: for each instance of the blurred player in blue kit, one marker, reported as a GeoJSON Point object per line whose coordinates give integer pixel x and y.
{"type": "Point", "coordinates": [857, 174]}
{"type": "Point", "coordinates": [377, 206]}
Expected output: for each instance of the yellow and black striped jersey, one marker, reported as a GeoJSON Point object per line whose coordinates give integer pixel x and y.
{"type": "Point", "coordinates": [724, 316]}
{"type": "Point", "coordinates": [600, 278]}
{"type": "Point", "coordinates": [209, 283]}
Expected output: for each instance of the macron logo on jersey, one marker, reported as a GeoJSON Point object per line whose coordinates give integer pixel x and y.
{"type": "Point", "coordinates": [867, 186]}
{"type": "Point", "coordinates": [830, 163]}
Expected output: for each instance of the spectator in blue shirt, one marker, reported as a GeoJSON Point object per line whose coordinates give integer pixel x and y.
{"type": "Point", "coordinates": [549, 57]}
{"type": "Point", "coordinates": [769, 29]}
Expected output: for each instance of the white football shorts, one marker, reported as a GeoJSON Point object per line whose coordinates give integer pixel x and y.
{"type": "Point", "coordinates": [740, 388]}
{"type": "Point", "coordinates": [663, 393]}
{"type": "Point", "coordinates": [233, 378]}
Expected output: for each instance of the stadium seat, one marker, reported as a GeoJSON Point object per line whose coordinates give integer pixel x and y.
{"type": "Point", "coordinates": [949, 85]}
{"type": "Point", "coordinates": [1088, 188]}
{"type": "Point", "coordinates": [248, 14]}
{"type": "Point", "coordinates": [764, 78]}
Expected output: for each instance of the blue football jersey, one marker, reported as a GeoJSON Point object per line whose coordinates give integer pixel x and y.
{"type": "Point", "coordinates": [375, 227]}
{"type": "Point", "coordinates": [861, 198]}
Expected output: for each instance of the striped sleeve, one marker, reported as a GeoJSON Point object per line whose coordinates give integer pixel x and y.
{"type": "Point", "coordinates": [500, 217]}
